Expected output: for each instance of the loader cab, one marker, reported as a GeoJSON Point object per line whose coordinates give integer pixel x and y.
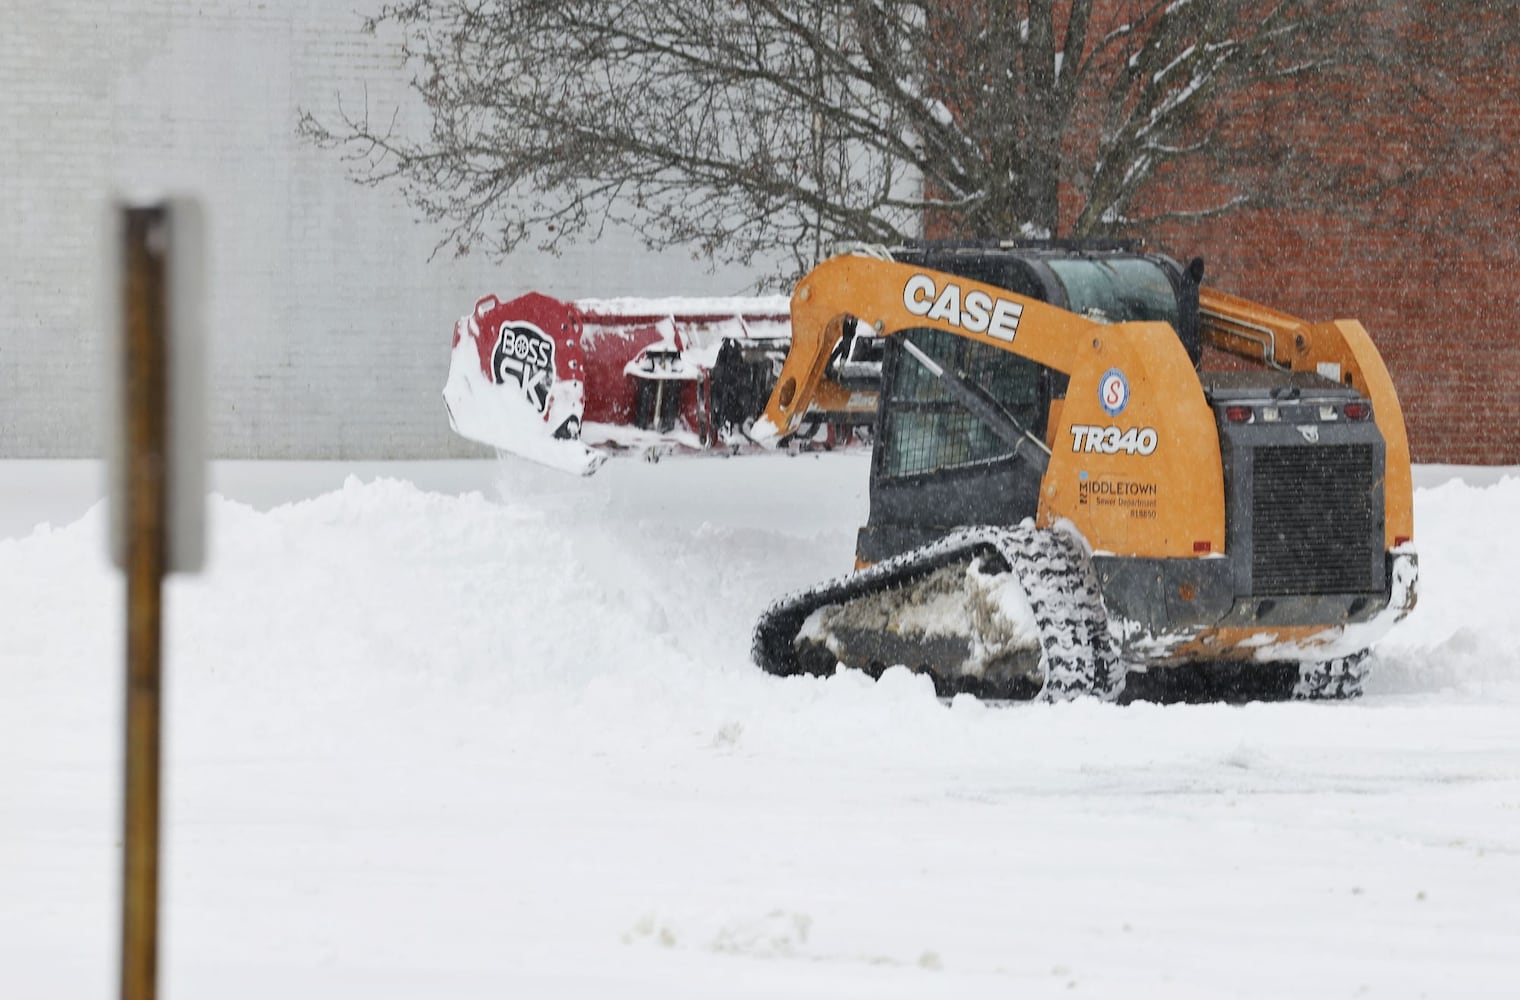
{"type": "Point", "coordinates": [937, 465]}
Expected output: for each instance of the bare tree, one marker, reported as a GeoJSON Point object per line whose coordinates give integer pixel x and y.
{"type": "Point", "coordinates": [762, 126]}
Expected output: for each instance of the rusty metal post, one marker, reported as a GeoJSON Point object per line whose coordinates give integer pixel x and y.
{"type": "Point", "coordinates": [145, 460]}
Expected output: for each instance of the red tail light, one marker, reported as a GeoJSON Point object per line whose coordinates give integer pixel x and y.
{"type": "Point", "coordinates": [1238, 414]}
{"type": "Point", "coordinates": [1357, 411]}
{"type": "Point", "coordinates": [1203, 546]}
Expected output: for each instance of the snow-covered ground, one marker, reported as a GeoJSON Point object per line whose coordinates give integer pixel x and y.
{"type": "Point", "coordinates": [483, 730]}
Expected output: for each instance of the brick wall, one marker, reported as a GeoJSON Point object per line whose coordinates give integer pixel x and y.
{"type": "Point", "coordinates": [1431, 267]}
{"type": "Point", "coordinates": [329, 325]}
{"type": "Point", "coordinates": [1444, 317]}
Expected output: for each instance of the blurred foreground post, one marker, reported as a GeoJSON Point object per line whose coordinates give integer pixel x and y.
{"type": "Point", "coordinates": [157, 523]}
{"type": "Point", "coordinates": [146, 351]}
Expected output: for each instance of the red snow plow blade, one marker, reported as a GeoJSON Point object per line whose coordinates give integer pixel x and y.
{"type": "Point", "coordinates": [567, 384]}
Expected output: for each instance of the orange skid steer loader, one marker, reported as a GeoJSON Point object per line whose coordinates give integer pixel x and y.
{"type": "Point", "coordinates": [1063, 502]}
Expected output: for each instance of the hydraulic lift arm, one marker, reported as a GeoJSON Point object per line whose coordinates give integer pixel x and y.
{"type": "Point", "coordinates": [887, 298]}
{"type": "Point", "coordinates": [1161, 430]}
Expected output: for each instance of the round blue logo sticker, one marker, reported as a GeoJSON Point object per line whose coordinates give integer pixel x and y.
{"type": "Point", "coordinates": [1113, 392]}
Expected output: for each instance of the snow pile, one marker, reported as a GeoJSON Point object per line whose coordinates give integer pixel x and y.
{"type": "Point", "coordinates": [507, 741]}
{"type": "Point", "coordinates": [1464, 635]}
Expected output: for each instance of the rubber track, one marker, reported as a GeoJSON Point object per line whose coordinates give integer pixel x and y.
{"type": "Point", "coordinates": [1332, 680]}
{"type": "Point", "coordinates": [1079, 656]}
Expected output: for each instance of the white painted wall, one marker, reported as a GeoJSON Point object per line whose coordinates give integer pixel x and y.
{"type": "Point", "coordinates": [329, 326]}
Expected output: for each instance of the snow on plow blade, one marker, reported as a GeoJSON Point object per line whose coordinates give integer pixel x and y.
{"type": "Point", "coordinates": [567, 384]}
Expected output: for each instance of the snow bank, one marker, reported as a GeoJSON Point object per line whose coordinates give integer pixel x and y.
{"type": "Point", "coordinates": [1464, 635]}
{"type": "Point", "coordinates": [507, 741]}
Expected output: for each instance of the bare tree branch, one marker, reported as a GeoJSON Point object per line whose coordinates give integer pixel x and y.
{"type": "Point", "coordinates": [779, 127]}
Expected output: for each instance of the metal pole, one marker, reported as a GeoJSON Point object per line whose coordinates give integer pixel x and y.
{"type": "Point", "coordinates": [146, 457]}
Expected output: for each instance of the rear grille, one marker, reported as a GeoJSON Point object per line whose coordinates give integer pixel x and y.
{"type": "Point", "coordinates": [1316, 520]}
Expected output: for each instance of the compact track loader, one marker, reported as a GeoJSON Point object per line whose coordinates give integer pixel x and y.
{"type": "Point", "coordinates": [1063, 503]}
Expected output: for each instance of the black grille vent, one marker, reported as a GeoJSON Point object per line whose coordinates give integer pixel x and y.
{"type": "Point", "coordinates": [1316, 520]}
